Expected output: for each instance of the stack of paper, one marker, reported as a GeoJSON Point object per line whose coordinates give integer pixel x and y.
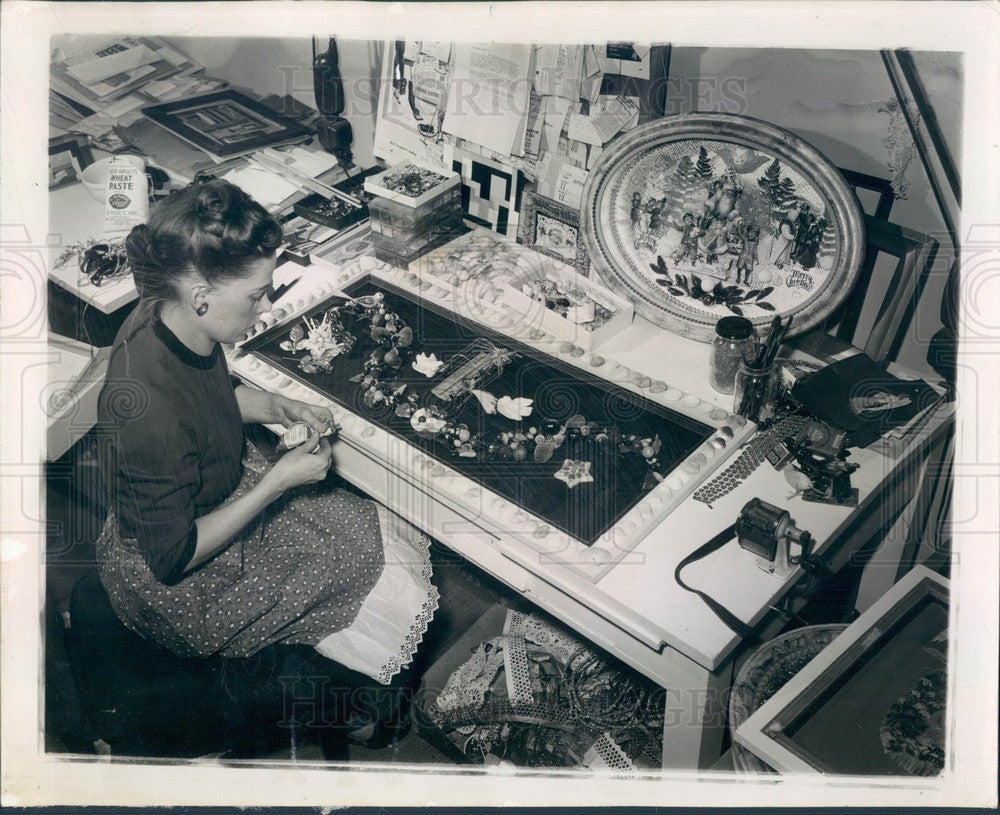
{"type": "Point", "coordinates": [96, 71]}
{"type": "Point", "coordinates": [100, 84]}
{"type": "Point", "coordinates": [269, 189]}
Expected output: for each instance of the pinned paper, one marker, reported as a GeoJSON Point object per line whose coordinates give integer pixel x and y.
{"type": "Point", "coordinates": [590, 88]}
{"type": "Point", "coordinates": [556, 110]}
{"type": "Point", "coordinates": [438, 50]}
{"type": "Point", "coordinates": [624, 59]}
{"type": "Point", "coordinates": [533, 130]}
{"type": "Point", "coordinates": [561, 181]}
{"type": "Point", "coordinates": [613, 113]}
{"type": "Point", "coordinates": [557, 71]}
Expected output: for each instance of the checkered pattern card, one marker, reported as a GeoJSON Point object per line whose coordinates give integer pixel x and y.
{"type": "Point", "coordinates": [491, 191]}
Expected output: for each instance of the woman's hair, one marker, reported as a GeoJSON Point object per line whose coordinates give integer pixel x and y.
{"type": "Point", "coordinates": [213, 229]}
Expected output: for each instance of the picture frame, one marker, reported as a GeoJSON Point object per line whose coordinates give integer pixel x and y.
{"type": "Point", "coordinates": [873, 701]}
{"type": "Point", "coordinates": [553, 229]}
{"type": "Point", "coordinates": [706, 215]}
{"type": "Point", "coordinates": [226, 123]}
{"type": "Point", "coordinates": [68, 157]}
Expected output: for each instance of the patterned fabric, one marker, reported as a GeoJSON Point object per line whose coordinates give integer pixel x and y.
{"type": "Point", "coordinates": [298, 573]}
{"type": "Point", "coordinates": [394, 616]}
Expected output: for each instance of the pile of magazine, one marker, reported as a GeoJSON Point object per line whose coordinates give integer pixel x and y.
{"type": "Point", "coordinates": [101, 83]}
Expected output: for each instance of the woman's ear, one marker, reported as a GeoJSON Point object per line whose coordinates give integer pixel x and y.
{"type": "Point", "coordinates": [195, 291]}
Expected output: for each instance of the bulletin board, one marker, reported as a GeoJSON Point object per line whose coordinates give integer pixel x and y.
{"type": "Point", "coordinates": [543, 136]}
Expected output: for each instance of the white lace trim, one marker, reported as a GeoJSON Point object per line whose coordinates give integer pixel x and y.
{"type": "Point", "coordinates": [408, 648]}
{"type": "Point", "coordinates": [394, 617]}
{"type": "Point", "coordinates": [605, 754]}
{"type": "Point", "coordinates": [538, 631]}
{"type": "Point", "coordinates": [515, 662]}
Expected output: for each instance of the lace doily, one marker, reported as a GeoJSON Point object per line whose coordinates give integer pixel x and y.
{"type": "Point", "coordinates": [556, 703]}
{"type": "Point", "coordinates": [538, 631]}
{"type": "Point", "coordinates": [467, 686]}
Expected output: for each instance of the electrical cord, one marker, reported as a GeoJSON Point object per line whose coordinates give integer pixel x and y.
{"type": "Point", "coordinates": [723, 613]}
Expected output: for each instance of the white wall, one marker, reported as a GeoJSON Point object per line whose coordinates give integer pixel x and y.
{"type": "Point", "coordinates": [832, 99]}
{"type": "Point", "coordinates": [284, 65]}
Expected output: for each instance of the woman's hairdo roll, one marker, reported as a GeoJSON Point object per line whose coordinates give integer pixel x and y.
{"type": "Point", "coordinates": [213, 229]}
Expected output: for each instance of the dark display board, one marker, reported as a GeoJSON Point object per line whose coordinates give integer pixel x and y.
{"type": "Point", "coordinates": [885, 715]}
{"type": "Point", "coordinates": [621, 473]}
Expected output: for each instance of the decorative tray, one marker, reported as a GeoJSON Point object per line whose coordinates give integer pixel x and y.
{"type": "Point", "coordinates": [697, 217]}
{"type": "Point", "coordinates": [556, 450]}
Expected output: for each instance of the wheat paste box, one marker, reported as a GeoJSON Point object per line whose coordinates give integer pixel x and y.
{"type": "Point", "coordinates": [559, 300]}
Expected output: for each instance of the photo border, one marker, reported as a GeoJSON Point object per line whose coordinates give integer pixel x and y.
{"type": "Point", "coordinates": [535, 205]}
{"type": "Point", "coordinates": [167, 115]}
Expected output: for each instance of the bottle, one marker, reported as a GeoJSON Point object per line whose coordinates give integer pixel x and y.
{"type": "Point", "coordinates": [734, 343]}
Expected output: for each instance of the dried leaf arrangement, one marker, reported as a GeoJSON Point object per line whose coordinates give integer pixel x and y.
{"type": "Point", "coordinates": [735, 298]}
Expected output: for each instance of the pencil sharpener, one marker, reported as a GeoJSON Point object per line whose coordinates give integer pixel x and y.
{"type": "Point", "coordinates": [770, 533]}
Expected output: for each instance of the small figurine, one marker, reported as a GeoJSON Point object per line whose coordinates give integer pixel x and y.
{"type": "Point", "coordinates": [784, 241]}
{"type": "Point", "coordinates": [748, 255]}
{"type": "Point", "coordinates": [636, 210]}
{"type": "Point", "coordinates": [689, 240]}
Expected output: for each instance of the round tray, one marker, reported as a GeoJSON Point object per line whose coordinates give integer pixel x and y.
{"type": "Point", "coordinates": [764, 673]}
{"type": "Point", "coordinates": [679, 212]}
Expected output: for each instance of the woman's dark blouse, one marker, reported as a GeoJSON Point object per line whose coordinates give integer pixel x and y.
{"type": "Point", "coordinates": [172, 441]}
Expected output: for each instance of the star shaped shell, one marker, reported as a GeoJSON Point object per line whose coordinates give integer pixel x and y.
{"type": "Point", "coordinates": [574, 472]}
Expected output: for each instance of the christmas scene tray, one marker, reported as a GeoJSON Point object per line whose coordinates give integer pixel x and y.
{"type": "Point", "coordinates": [535, 448]}
{"type": "Point", "coordinates": [707, 215]}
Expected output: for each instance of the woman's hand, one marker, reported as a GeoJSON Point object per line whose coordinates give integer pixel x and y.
{"type": "Point", "coordinates": [299, 466]}
{"type": "Point", "coordinates": [318, 418]}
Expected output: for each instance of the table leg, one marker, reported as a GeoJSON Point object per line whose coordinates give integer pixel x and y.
{"type": "Point", "coordinates": [695, 713]}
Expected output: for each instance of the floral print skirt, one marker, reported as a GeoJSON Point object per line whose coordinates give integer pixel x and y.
{"type": "Point", "coordinates": [320, 567]}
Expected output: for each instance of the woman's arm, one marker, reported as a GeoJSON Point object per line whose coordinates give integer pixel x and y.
{"type": "Point", "coordinates": [258, 406]}
{"type": "Point", "coordinates": [218, 528]}
{"type": "Point", "coordinates": [298, 466]}
{"type": "Point", "coordinates": [264, 407]}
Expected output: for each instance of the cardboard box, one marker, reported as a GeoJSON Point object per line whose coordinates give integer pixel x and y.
{"type": "Point", "coordinates": [587, 300]}
{"type": "Point", "coordinates": [413, 185]}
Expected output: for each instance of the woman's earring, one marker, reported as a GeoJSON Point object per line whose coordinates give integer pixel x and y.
{"type": "Point", "coordinates": [201, 309]}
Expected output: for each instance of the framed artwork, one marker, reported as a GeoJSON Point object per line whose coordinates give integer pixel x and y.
{"type": "Point", "coordinates": [697, 217]}
{"type": "Point", "coordinates": [68, 156]}
{"type": "Point", "coordinates": [554, 230]}
{"type": "Point", "coordinates": [226, 123]}
{"type": "Point", "coordinates": [873, 702]}
{"type": "Point", "coordinates": [875, 195]}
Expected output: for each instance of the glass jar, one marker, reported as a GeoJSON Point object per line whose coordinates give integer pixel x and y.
{"type": "Point", "coordinates": [734, 343]}
{"type": "Point", "coordinates": [756, 392]}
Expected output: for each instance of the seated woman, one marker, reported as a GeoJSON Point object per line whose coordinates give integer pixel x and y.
{"type": "Point", "coordinates": [207, 548]}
